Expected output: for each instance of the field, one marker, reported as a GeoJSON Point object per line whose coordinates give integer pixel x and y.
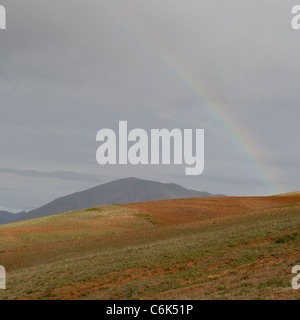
{"type": "Point", "coordinates": [201, 248]}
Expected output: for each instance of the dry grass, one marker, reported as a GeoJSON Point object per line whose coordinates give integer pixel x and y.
{"type": "Point", "coordinates": [204, 248]}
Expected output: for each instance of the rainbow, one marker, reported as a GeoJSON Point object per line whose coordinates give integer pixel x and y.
{"type": "Point", "coordinates": [217, 109]}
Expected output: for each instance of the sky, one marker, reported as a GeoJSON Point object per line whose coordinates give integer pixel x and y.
{"type": "Point", "coordinates": [70, 68]}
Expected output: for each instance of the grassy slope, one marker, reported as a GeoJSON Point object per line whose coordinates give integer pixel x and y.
{"type": "Point", "coordinates": [233, 248]}
{"type": "Point", "coordinates": [291, 194]}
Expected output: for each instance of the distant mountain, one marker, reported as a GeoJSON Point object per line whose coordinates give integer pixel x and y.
{"type": "Point", "coordinates": [122, 191]}
{"type": "Point", "coordinates": [7, 217]}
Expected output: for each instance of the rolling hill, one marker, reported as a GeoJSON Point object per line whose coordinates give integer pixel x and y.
{"type": "Point", "coordinates": [200, 248]}
{"type": "Point", "coordinates": [122, 191]}
{"type": "Point", "coordinates": [290, 194]}
{"type": "Point", "coordinates": [7, 217]}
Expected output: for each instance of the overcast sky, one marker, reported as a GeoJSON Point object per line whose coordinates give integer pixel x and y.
{"type": "Point", "coordinates": [69, 68]}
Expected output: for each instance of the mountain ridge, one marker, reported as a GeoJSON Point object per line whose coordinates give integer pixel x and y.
{"type": "Point", "coordinates": [122, 191]}
{"type": "Point", "coordinates": [8, 217]}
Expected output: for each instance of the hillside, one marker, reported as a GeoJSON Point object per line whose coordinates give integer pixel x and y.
{"type": "Point", "coordinates": [290, 194]}
{"type": "Point", "coordinates": [201, 248]}
{"type": "Point", "coordinates": [7, 217]}
{"type": "Point", "coordinates": [122, 191]}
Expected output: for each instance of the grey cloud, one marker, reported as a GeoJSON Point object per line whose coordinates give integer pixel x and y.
{"type": "Point", "coordinates": [63, 175]}
{"type": "Point", "coordinates": [69, 68]}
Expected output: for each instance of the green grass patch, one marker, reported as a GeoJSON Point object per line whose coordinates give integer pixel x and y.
{"type": "Point", "coordinates": [288, 238]}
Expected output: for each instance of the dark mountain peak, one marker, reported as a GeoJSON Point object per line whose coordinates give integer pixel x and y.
{"type": "Point", "coordinates": [126, 190]}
